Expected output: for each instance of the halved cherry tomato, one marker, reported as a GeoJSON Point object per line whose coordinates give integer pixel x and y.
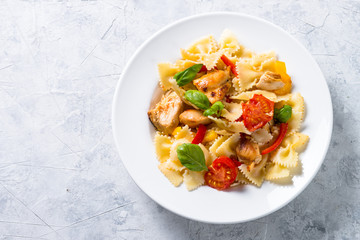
{"type": "Point", "coordinates": [283, 130]}
{"type": "Point", "coordinates": [222, 173]}
{"type": "Point", "coordinates": [257, 112]}
{"type": "Point", "coordinates": [200, 134]}
{"type": "Point", "coordinates": [228, 62]}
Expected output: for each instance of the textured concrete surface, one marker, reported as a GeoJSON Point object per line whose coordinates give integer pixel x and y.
{"type": "Point", "coordinates": [60, 174]}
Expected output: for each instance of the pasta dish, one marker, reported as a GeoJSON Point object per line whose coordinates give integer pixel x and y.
{"type": "Point", "coordinates": [227, 116]}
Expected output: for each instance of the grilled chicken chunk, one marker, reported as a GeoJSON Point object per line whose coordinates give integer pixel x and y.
{"type": "Point", "coordinates": [193, 118]}
{"type": "Point", "coordinates": [214, 84]}
{"type": "Point", "coordinates": [270, 81]}
{"type": "Point", "coordinates": [248, 151]}
{"type": "Point", "coordinates": [165, 115]}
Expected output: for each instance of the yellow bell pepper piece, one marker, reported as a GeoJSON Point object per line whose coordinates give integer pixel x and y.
{"type": "Point", "coordinates": [176, 131]}
{"type": "Point", "coordinates": [280, 68]}
{"type": "Point", "coordinates": [210, 136]}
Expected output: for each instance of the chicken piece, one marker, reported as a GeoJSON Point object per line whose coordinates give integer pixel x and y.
{"type": "Point", "coordinates": [263, 135]}
{"type": "Point", "coordinates": [248, 151]}
{"type": "Point", "coordinates": [193, 118]}
{"type": "Point", "coordinates": [274, 130]}
{"type": "Point", "coordinates": [214, 84]}
{"type": "Point", "coordinates": [270, 81]}
{"type": "Point", "coordinates": [165, 115]}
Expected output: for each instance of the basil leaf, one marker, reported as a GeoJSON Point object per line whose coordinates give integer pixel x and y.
{"type": "Point", "coordinates": [216, 108]}
{"type": "Point", "coordinates": [191, 156]}
{"type": "Point", "coordinates": [209, 112]}
{"type": "Point", "coordinates": [186, 76]}
{"type": "Point", "coordinates": [198, 99]}
{"type": "Point", "coordinates": [283, 114]}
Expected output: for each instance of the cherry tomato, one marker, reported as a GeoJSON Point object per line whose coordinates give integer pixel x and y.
{"type": "Point", "coordinates": [222, 173]}
{"type": "Point", "coordinates": [257, 112]}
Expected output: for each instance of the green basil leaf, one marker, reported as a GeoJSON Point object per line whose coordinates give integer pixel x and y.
{"type": "Point", "coordinates": [283, 114]}
{"type": "Point", "coordinates": [209, 112]}
{"type": "Point", "coordinates": [186, 76]}
{"type": "Point", "coordinates": [198, 99]}
{"type": "Point", "coordinates": [191, 156]}
{"type": "Point", "coordinates": [216, 108]}
{"type": "Point", "coordinates": [179, 75]}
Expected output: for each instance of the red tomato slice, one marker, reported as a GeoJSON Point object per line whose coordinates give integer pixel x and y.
{"type": "Point", "coordinates": [222, 173]}
{"type": "Point", "coordinates": [257, 112]}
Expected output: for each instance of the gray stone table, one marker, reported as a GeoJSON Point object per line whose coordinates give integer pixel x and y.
{"type": "Point", "coordinates": [60, 173]}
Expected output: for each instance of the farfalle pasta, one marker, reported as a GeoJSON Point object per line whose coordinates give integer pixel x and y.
{"type": "Point", "coordinates": [227, 116]}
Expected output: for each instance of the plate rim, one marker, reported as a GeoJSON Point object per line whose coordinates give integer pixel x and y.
{"type": "Point", "coordinates": [192, 17]}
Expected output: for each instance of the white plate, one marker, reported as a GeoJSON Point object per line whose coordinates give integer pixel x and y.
{"type": "Point", "coordinates": [134, 133]}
